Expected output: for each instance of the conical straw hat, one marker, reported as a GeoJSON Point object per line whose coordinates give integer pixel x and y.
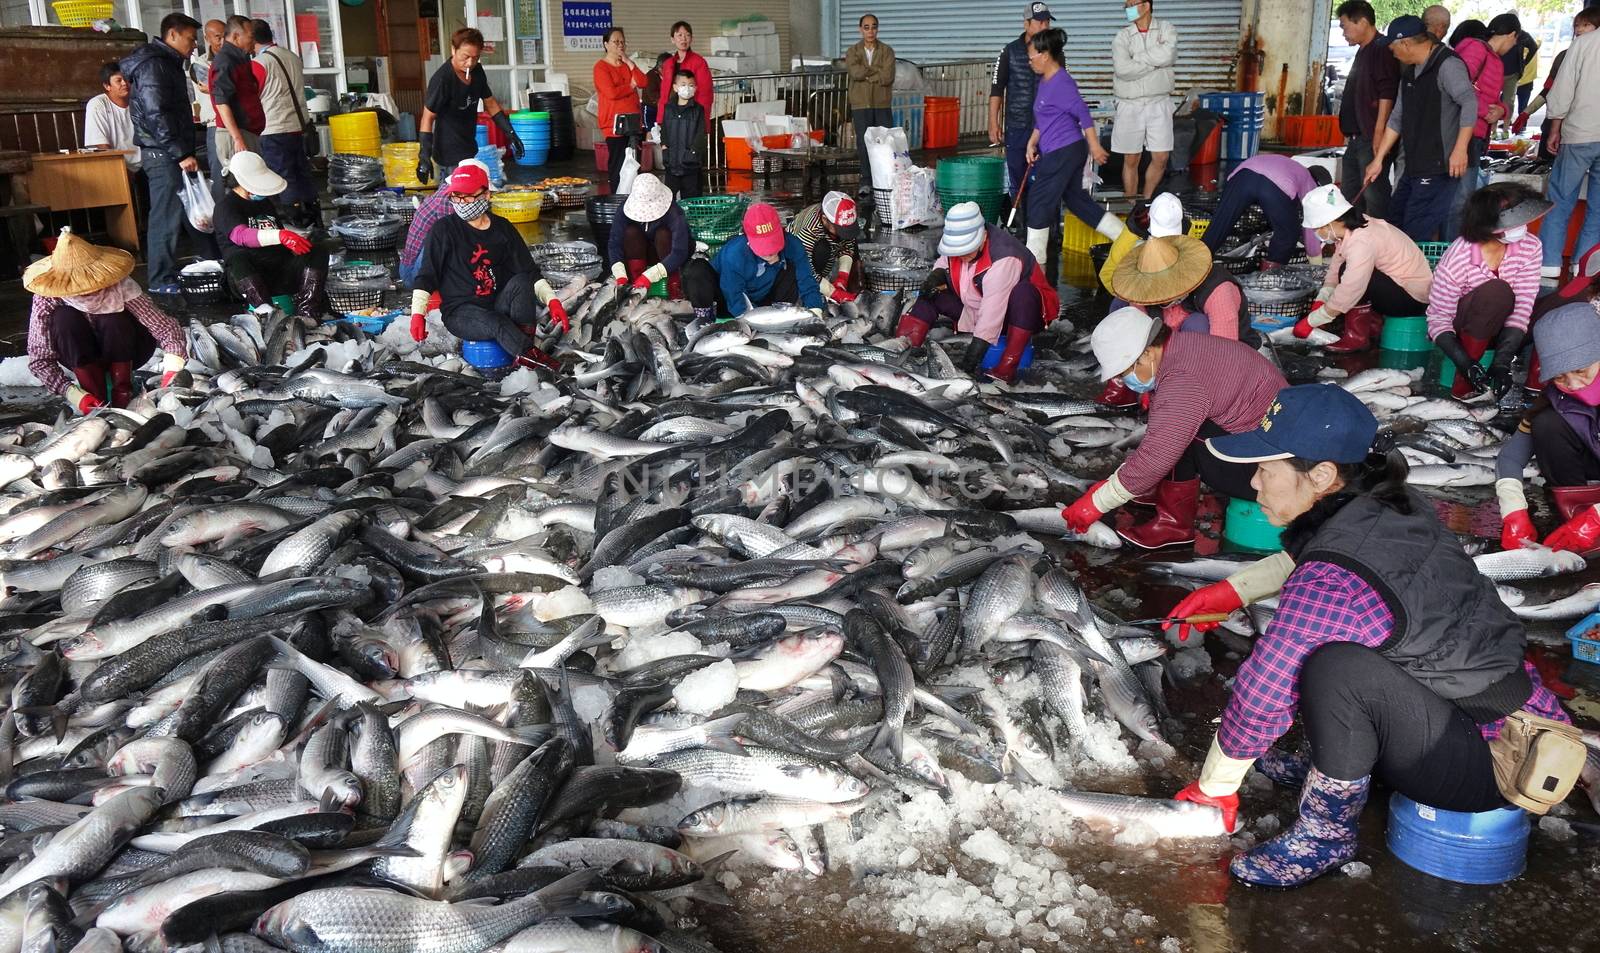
{"type": "Point", "coordinates": [1160, 270]}
{"type": "Point", "coordinates": [77, 267]}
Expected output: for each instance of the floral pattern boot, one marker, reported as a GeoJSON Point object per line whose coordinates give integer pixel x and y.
{"type": "Point", "coordinates": [1288, 768]}
{"type": "Point", "coordinates": [1321, 839]}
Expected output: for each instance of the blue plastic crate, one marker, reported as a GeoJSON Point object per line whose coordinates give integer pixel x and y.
{"type": "Point", "coordinates": [1584, 647]}
{"type": "Point", "coordinates": [372, 324]}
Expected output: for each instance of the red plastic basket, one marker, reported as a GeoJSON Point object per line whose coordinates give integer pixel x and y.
{"type": "Point", "coordinates": [1311, 132]}
{"type": "Point", "coordinates": [941, 127]}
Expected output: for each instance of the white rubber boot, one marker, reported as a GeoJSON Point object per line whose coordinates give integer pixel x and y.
{"type": "Point", "coordinates": [1110, 226]}
{"type": "Point", "coordinates": [1039, 244]}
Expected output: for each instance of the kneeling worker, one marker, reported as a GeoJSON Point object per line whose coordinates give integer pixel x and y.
{"type": "Point", "coordinates": [990, 285]}
{"type": "Point", "coordinates": [650, 239]}
{"type": "Point", "coordinates": [765, 265]}
{"type": "Point", "coordinates": [262, 258]}
{"type": "Point", "coordinates": [489, 287]}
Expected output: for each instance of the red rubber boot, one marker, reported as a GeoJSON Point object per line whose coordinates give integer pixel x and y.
{"type": "Point", "coordinates": [1176, 504]}
{"type": "Point", "coordinates": [913, 329]}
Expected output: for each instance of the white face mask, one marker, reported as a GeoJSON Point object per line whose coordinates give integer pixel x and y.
{"type": "Point", "coordinates": [1513, 235]}
{"type": "Point", "coordinates": [686, 92]}
{"type": "Point", "coordinates": [1327, 238]}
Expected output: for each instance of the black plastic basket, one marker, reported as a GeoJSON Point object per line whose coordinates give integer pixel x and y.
{"type": "Point", "coordinates": [366, 233]}
{"type": "Point", "coordinates": [1277, 298]}
{"type": "Point", "coordinates": [204, 288]}
{"type": "Point", "coordinates": [356, 287]}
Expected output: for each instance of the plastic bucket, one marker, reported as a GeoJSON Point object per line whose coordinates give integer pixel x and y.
{"type": "Point", "coordinates": [1245, 525]}
{"type": "Point", "coordinates": [1405, 334]}
{"type": "Point", "coordinates": [485, 355]}
{"type": "Point", "coordinates": [998, 348]}
{"type": "Point", "coordinates": [1489, 847]}
{"type": "Point", "coordinates": [1447, 367]}
{"type": "Point", "coordinates": [1403, 360]}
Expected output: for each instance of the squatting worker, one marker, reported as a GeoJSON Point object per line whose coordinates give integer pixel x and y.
{"type": "Point", "coordinates": [1063, 138]}
{"type": "Point", "coordinates": [428, 213]}
{"type": "Point", "coordinates": [760, 266]}
{"type": "Point", "coordinates": [617, 81]}
{"type": "Point", "coordinates": [163, 128]}
{"type": "Point", "coordinates": [262, 258]}
{"type": "Point", "coordinates": [650, 238]}
{"type": "Point", "coordinates": [1011, 91]}
{"type": "Point", "coordinates": [828, 231]}
{"type": "Point", "coordinates": [1433, 119]}
{"type": "Point", "coordinates": [90, 317]}
{"type": "Point", "coordinates": [990, 285]}
{"type": "Point", "coordinates": [1200, 386]}
{"type": "Point", "coordinates": [489, 286]}
{"type": "Point", "coordinates": [1398, 654]}
{"type": "Point", "coordinates": [1562, 430]}
{"type": "Point", "coordinates": [1142, 54]}
{"type": "Point", "coordinates": [1485, 285]}
{"type": "Point", "coordinates": [1177, 282]}
{"type": "Point", "coordinates": [1276, 184]}
{"type": "Point", "coordinates": [870, 65]}
{"type": "Point", "coordinates": [1377, 272]}
{"type": "Point", "coordinates": [1369, 94]}
{"type": "Point", "coordinates": [448, 129]}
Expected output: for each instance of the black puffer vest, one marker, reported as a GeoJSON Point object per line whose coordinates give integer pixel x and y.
{"type": "Point", "coordinates": [1451, 631]}
{"type": "Point", "coordinates": [1022, 83]}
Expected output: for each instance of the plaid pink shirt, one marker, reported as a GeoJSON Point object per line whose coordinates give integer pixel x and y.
{"type": "Point", "coordinates": [1320, 603]}
{"type": "Point", "coordinates": [46, 366]}
{"type": "Point", "coordinates": [433, 208]}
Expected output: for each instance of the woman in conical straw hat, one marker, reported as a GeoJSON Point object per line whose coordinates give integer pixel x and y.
{"type": "Point", "coordinates": [91, 318]}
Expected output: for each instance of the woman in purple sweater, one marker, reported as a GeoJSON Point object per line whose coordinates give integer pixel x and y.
{"type": "Point", "coordinates": [1063, 139]}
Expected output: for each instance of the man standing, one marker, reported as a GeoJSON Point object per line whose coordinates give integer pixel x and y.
{"type": "Point", "coordinates": [1011, 93]}
{"type": "Point", "coordinates": [871, 68]}
{"type": "Point", "coordinates": [1574, 109]}
{"type": "Point", "coordinates": [283, 103]}
{"type": "Point", "coordinates": [200, 67]}
{"type": "Point", "coordinates": [107, 124]}
{"type": "Point", "coordinates": [1369, 94]}
{"type": "Point", "coordinates": [1436, 20]}
{"type": "Point", "coordinates": [1142, 55]}
{"type": "Point", "coordinates": [163, 127]}
{"type": "Point", "coordinates": [1433, 117]}
{"type": "Point", "coordinates": [237, 97]}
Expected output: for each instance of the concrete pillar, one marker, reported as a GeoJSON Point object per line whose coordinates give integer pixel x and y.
{"type": "Point", "coordinates": [805, 28]}
{"type": "Point", "coordinates": [1284, 45]}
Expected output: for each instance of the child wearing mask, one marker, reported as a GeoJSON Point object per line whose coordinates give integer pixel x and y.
{"type": "Point", "coordinates": [683, 137]}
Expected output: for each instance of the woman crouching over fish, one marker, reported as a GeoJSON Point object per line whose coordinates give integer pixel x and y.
{"type": "Point", "coordinates": [1200, 386]}
{"type": "Point", "coordinates": [1400, 656]}
{"type": "Point", "coordinates": [90, 316]}
{"type": "Point", "coordinates": [990, 285]}
{"type": "Point", "coordinates": [1559, 429]}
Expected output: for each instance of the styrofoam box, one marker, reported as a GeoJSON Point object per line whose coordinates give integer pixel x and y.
{"type": "Point", "coordinates": [758, 28]}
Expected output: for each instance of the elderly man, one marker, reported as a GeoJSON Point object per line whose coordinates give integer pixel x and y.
{"type": "Point", "coordinates": [237, 97]}
{"type": "Point", "coordinates": [1011, 91]}
{"type": "Point", "coordinates": [1436, 20]}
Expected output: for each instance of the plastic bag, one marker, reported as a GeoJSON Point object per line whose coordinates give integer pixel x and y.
{"type": "Point", "coordinates": [630, 168]}
{"type": "Point", "coordinates": [916, 198]}
{"type": "Point", "coordinates": [197, 202]}
{"type": "Point", "coordinates": [887, 154]}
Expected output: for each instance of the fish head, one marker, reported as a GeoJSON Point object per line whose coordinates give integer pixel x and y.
{"type": "Point", "coordinates": [922, 764]}
{"type": "Point", "coordinates": [285, 927]}
{"type": "Point", "coordinates": [781, 852]}
{"type": "Point", "coordinates": [343, 790]}
{"type": "Point", "coordinates": [709, 820]}
{"type": "Point", "coordinates": [260, 731]}
{"type": "Point", "coordinates": [89, 645]}
{"type": "Point", "coordinates": [449, 787]}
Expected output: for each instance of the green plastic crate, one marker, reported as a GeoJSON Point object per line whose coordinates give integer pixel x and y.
{"type": "Point", "coordinates": [1433, 251]}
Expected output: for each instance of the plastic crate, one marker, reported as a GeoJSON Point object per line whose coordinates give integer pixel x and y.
{"type": "Point", "coordinates": [1585, 639]}
{"type": "Point", "coordinates": [908, 115]}
{"type": "Point", "coordinates": [1078, 237]}
{"type": "Point", "coordinates": [1311, 132]}
{"type": "Point", "coordinates": [990, 203]}
{"type": "Point", "coordinates": [941, 122]}
{"type": "Point", "coordinates": [208, 287]}
{"type": "Point", "coordinates": [1198, 226]}
{"type": "Point", "coordinates": [714, 219]}
{"type": "Point", "coordinates": [352, 287]}
{"type": "Point", "coordinates": [1433, 251]}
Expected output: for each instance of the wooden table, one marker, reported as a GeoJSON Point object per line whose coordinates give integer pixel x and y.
{"type": "Point", "coordinates": [82, 180]}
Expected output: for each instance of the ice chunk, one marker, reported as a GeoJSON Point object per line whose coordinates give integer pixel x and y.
{"type": "Point", "coordinates": [566, 601]}
{"type": "Point", "coordinates": [642, 650]}
{"type": "Point", "coordinates": [1357, 870]}
{"type": "Point", "coordinates": [520, 381]}
{"type": "Point", "coordinates": [1556, 828]}
{"type": "Point", "coordinates": [1190, 663]}
{"type": "Point", "coordinates": [907, 857]}
{"type": "Point", "coordinates": [986, 845]}
{"type": "Point", "coordinates": [707, 690]}
{"type": "Point", "coordinates": [615, 577]}
{"type": "Point", "coordinates": [14, 373]}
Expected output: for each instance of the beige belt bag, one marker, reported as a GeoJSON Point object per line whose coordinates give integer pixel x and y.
{"type": "Point", "coordinates": [1536, 761]}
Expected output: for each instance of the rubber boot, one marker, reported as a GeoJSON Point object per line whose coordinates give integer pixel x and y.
{"type": "Point", "coordinates": [1288, 768]}
{"type": "Point", "coordinates": [533, 358]}
{"type": "Point", "coordinates": [913, 329]}
{"type": "Point", "coordinates": [1569, 501]}
{"type": "Point", "coordinates": [675, 286]}
{"type": "Point", "coordinates": [1474, 348]}
{"type": "Point", "coordinates": [1361, 325]}
{"type": "Point", "coordinates": [1039, 244]}
{"type": "Point", "coordinates": [1176, 503]}
{"type": "Point", "coordinates": [635, 266]}
{"type": "Point", "coordinates": [121, 383]}
{"type": "Point", "coordinates": [1117, 394]}
{"type": "Point", "coordinates": [1110, 226]}
{"type": "Point", "coordinates": [1005, 370]}
{"type": "Point", "coordinates": [255, 294]}
{"type": "Point", "coordinates": [1322, 838]}
{"type": "Point", "coordinates": [704, 314]}
{"type": "Point", "coordinates": [308, 297]}
{"type": "Point", "coordinates": [92, 378]}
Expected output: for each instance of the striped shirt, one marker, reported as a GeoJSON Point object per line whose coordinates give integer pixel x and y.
{"type": "Point", "coordinates": [46, 366]}
{"type": "Point", "coordinates": [1320, 603]}
{"type": "Point", "coordinates": [808, 227]}
{"type": "Point", "coordinates": [1462, 269]}
{"type": "Point", "coordinates": [1202, 377]}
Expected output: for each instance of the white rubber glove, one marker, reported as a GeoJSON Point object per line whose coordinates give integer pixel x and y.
{"type": "Point", "coordinates": [1262, 578]}
{"type": "Point", "coordinates": [619, 271]}
{"type": "Point", "coordinates": [419, 301]}
{"type": "Point", "coordinates": [543, 291]}
{"type": "Point", "coordinates": [656, 272]}
{"type": "Point", "coordinates": [826, 286]}
{"type": "Point", "coordinates": [269, 236]}
{"type": "Point", "coordinates": [1112, 494]}
{"type": "Point", "coordinates": [1221, 774]}
{"type": "Point", "coordinates": [1508, 491]}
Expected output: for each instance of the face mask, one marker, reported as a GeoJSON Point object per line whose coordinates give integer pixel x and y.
{"type": "Point", "coordinates": [468, 211]}
{"type": "Point", "coordinates": [686, 92]}
{"type": "Point", "coordinates": [1327, 239]}
{"type": "Point", "coordinates": [1513, 235]}
{"type": "Point", "coordinates": [1131, 379]}
{"type": "Point", "coordinates": [1589, 395]}
{"type": "Point", "coordinates": [1132, 13]}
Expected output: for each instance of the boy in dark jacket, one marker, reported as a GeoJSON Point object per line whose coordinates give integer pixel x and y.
{"type": "Point", "coordinates": [683, 137]}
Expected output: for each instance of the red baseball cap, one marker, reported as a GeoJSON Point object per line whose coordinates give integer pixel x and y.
{"type": "Point", "coordinates": [1583, 273]}
{"type": "Point", "coordinates": [467, 180]}
{"type": "Point", "coordinates": [763, 229]}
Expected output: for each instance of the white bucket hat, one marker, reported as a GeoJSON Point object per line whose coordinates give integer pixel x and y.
{"type": "Point", "coordinates": [1119, 340]}
{"type": "Point", "coordinates": [251, 172]}
{"type": "Point", "coordinates": [1166, 216]}
{"type": "Point", "coordinates": [1323, 205]}
{"type": "Point", "coordinates": [964, 230]}
{"type": "Point", "coordinates": [648, 201]}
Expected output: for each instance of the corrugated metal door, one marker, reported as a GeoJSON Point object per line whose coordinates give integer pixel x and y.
{"type": "Point", "coordinates": [935, 31]}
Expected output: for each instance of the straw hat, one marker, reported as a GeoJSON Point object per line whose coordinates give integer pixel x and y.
{"type": "Point", "coordinates": [1160, 270]}
{"type": "Point", "coordinates": [77, 267]}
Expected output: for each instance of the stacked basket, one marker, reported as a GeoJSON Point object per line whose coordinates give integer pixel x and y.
{"type": "Point", "coordinates": [562, 262]}
{"type": "Point", "coordinates": [1276, 299]}
{"type": "Point", "coordinates": [891, 268]}
{"type": "Point", "coordinates": [980, 179]}
{"type": "Point", "coordinates": [355, 133]}
{"type": "Point", "coordinates": [714, 219]}
{"type": "Point", "coordinates": [533, 128]}
{"type": "Point", "coordinates": [400, 164]}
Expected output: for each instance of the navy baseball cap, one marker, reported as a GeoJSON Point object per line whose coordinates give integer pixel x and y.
{"type": "Point", "coordinates": [1038, 11]}
{"type": "Point", "coordinates": [1312, 421]}
{"type": "Point", "coordinates": [1401, 28]}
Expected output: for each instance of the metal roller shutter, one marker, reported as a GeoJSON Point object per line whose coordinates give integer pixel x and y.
{"type": "Point", "coordinates": [935, 31]}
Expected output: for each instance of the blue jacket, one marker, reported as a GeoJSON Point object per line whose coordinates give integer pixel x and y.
{"type": "Point", "coordinates": [740, 272]}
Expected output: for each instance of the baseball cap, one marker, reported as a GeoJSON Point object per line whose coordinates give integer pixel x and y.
{"type": "Point", "coordinates": [1505, 23]}
{"type": "Point", "coordinates": [479, 164]}
{"type": "Point", "coordinates": [1038, 11]}
{"type": "Point", "coordinates": [1311, 421]}
{"type": "Point", "coordinates": [840, 211]}
{"type": "Point", "coordinates": [763, 229]}
{"type": "Point", "coordinates": [467, 180]}
{"type": "Point", "coordinates": [1584, 274]}
{"type": "Point", "coordinates": [1403, 28]}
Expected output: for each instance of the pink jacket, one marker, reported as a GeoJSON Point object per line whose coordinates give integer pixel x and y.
{"type": "Point", "coordinates": [1488, 75]}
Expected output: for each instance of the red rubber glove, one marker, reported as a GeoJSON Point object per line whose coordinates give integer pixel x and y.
{"type": "Point", "coordinates": [642, 282]}
{"type": "Point", "coordinates": [840, 294]}
{"type": "Point", "coordinates": [294, 241]}
{"type": "Point", "coordinates": [1217, 598]}
{"type": "Point", "coordinates": [558, 315]}
{"type": "Point", "coordinates": [1080, 514]}
{"type": "Point", "coordinates": [1579, 534]}
{"type": "Point", "coordinates": [622, 281]}
{"type": "Point", "coordinates": [1520, 123]}
{"type": "Point", "coordinates": [1302, 327]}
{"type": "Point", "coordinates": [1227, 803]}
{"type": "Point", "coordinates": [1516, 529]}
{"type": "Point", "coordinates": [167, 378]}
{"type": "Point", "coordinates": [89, 402]}
{"type": "Point", "coordinates": [419, 328]}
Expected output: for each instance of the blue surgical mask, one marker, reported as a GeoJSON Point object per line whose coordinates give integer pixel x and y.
{"type": "Point", "coordinates": [1132, 13]}
{"type": "Point", "coordinates": [1131, 379]}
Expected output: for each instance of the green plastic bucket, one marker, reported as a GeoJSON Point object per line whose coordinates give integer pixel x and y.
{"type": "Point", "coordinates": [971, 174]}
{"type": "Point", "coordinates": [1447, 367]}
{"type": "Point", "coordinates": [1245, 525]}
{"type": "Point", "coordinates": [1403, 360]}
{"type": "Point", "coordinates": [1405, 334]}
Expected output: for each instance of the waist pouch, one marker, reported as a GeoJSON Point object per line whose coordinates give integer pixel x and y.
{"type": "Point", "coordinates": [1536, 760]}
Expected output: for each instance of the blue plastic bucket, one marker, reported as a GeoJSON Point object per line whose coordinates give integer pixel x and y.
{"type": "Point", "coordinates": [998, 348]}
{"type": "Point", "coordinates": [485, 355]}
{"type": "Point", "coordinates": [1489, 847]}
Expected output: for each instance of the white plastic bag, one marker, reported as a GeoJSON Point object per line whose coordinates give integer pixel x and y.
{"type": "Point", "coordinates": [197, 202]}
{"type": "Point", "coordinates": [887, 154]}
{"type": "Point", "coordinates": [630, 168]}
{"type": "Point", "coordinates": [916, 198]}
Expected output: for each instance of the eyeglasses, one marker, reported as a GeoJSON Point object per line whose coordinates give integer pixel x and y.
{"type": "Point", "coordinates": [460, 199]}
